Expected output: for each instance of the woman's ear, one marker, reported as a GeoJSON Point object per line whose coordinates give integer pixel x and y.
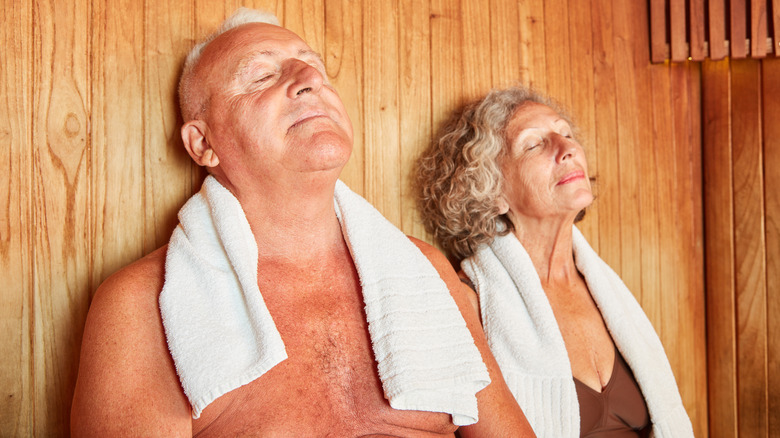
{"type": "Point", "coordinates": [502, 204]}
{"type": "Point", "coordinates": [193, 133]}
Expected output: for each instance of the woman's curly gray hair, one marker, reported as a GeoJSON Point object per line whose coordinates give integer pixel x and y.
{"type": "Point", "coordinates": [459, 179]}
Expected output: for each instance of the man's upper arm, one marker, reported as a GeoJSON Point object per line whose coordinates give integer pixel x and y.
{"type": "Point", "coordinates": [499, 414]}
{"type": "Point", "coordinates": [127, 384]}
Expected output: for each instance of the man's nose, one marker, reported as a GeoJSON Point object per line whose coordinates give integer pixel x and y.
{"type": "Point", "coordinates": [305, 78]}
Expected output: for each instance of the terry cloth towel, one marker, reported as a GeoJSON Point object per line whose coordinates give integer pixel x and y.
{"type": "Point", "coordinates": [525, 339]}
{"type": "Point", "coordinates": [221, 335]}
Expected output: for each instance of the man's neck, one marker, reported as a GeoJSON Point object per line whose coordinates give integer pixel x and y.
{"type": "Point", "coordinates": [294, 220]}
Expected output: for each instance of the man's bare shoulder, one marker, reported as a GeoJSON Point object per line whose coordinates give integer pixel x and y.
{"type": "Point", "coordinates": [127, 383]}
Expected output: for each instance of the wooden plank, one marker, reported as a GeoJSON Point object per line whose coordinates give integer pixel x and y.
{"type": "Point", "coordinates": [507, 68]}
{"type": "Point", "coordinates": [628, 79]}
{"type": "Point", "coordinates": [168, 170]}
{"type": "Point", "coordinates": [307, 19]}
{"type": "Point", "coordinates": [758, 31]}
{"type": "Point", "coordinates": [697, 23]}
{"type": "Point", "coordinates": [476, 52]}
{"type": "Point", "coordinates": [582, 99]}
{"type": "Point", "coordinates": [415, 102]}
{"type": "Point", "coordinates": [658, 45]}
{"type": "Point", "coordinates": [557, 47]}
{"type": "Point", "coordinates": [61, 172]}
{"type": "Point", "coordinates": [684, 311]}
{"type": "Point", "coordinates": [344, 64]}
{"type": "Point", "coordinates": [446, 68]}
{"type": "Point", "coordinates": [776, 26]}
{"type": "Point", "coordinates": [16, 84]}
{"type": "Point", "coordinates": [678, 34]}
{"type": "Point", "coordinates": [381, 109]}
{"type": "Point", "coordinates": [738, 36]}
{"type": "Point", "coordinates": [749, 249]}
{"type": "Point", "coordinates": [719, 238]}
{"type": "Point", "coordinates": [117, 120]}
{"type": "Point", "coordinates": [533, 52]}
{"type": "Point", "coordinates": [717, 28]}
{"type": "Point", "coordinates": [770, 96]}
{"type": "Point", "coordinates": [607, 186]}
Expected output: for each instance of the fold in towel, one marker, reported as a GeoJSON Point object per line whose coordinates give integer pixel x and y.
{"type": "Point", "coordinates": [221, 335]}
{"type": "Point", "coordinates": [525, 339]}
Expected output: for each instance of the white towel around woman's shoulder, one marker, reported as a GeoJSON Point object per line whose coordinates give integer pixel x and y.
{"type": "Point", "coordinates": [525, 339]}
{"type": "Point", "coordinates": [221, 335]}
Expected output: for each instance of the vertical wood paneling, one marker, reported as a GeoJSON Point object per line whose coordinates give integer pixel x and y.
{"type": "Point", "coordinates": [717, 27]}
{"type": "Point", "coordinates": [117, 135]}
{"type": "Point", "coordinates": [16, 372]}
{"type": "Point", "coordinates": [380, 76]}
{"type": "Point", "coordinates": [167, 167]}
{"type": "Point", "coordinates": [770, 70]}
{"type": "Point", "coordinates": [607, 186]}
{"type": "Point", "coordinates": [61, 175]}
{"type": "Point", "coordinates": [581, 59]}
{"type": "Point", "coordinates": [344, 64]}
{"type": "Point", "coordinates": [749, 249]}
{"type": "Point", "coordinates": [738, 26]}
{"type": "Point", "coordinates": [97, 170]}
{"type": "Point", "coordinates": [532, 37]}
{"type": "Point", "coordinates": [758, 31]}
{"type": "Point", "coordinates": [719, 238]}
{"type": "Point", "coordinates": [506, 66]}
{"type": "Point", "coordinates": [415, 100]}
{"type": "Point", "coordinates": [628, 80]}
{"type": "Point", "coordinates": [557, 42]}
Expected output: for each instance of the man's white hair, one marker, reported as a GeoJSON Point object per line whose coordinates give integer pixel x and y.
{"type": "Point", "coordinates": [190, 104]}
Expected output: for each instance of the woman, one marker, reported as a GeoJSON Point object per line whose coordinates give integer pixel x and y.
{"type": "Point", "coordinates": [501, 190]}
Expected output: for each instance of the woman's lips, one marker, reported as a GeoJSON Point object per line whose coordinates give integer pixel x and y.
{"type": "Point", "coordinates": [572, 176]}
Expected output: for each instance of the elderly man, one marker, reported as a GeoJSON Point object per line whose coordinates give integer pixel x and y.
{"type": "Point", "coordinates": [283, 305]}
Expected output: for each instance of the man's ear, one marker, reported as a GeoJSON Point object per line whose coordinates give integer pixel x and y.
{"type": "Point", "coordinates": [193, 133]}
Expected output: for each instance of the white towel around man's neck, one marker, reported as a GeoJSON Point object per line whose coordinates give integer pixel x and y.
{"type": "Point", "coordinates": [221, 335]}
{"type": "Point", "coordinates": [525, 339]}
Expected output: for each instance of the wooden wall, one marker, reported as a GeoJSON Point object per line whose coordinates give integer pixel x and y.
{"type": "Point", "coordinates": [741, 157]}
{"type": "Point", "coordinates": [96, 172]}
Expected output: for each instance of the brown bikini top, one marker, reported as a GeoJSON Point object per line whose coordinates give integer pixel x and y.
{"type": "Point", "coordinates": [619, 410]}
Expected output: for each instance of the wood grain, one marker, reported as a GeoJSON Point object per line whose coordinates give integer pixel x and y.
{"type": "Point", "coordinates": [415, 101]}
{"type": "Point", "coordinates": [698, 20]}
{"type": "Point", "coordinates": [380, 75]}
{"type": "Point", "coordinates": [344, 63]}
{"type": "Point", "coordinates": [719, 238]}
{"type": "Point", "coordinates": [17, 375]}
{"type": "Point", "coordinates": [61, 193]}
{"type": "Point", "coordinates": [658, 43]}
{"type": "Point", "coordinates": [678, 25]}
{"type": "Point", "coordinates": [770, 80]}
{"type": "Point", "coordinates": [758, 31]}
{"type": "Point", "coordinates": [96, 171]}
{"type": "Point", "coordinates": [738, 25]}
{"type": "Point", "coordinates": [607, 186]}
{"type": "Point", "coordinates": [776, 27]}
{"type": "Point", "coordinates": [749, 249]}
{"type": "Point", "coordinates": [717, 27]}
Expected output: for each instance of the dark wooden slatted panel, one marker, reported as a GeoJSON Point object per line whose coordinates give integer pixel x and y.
{"type": "Point", "coordinates": [758, 32]}
{"type": "Point", "coordinates": [697, 20]}
{"type": "Point", "coordinates": [658, 33]}
{"type": "Point", "coordinates": [678, 30]}
{"type": "Point", "coordinates": [738, 23]}
{"type": "Point", "coordinates": [717, 25]}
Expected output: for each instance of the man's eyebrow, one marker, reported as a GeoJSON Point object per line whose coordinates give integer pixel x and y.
{"type": "Point", "coordinates": [246, 61]}
{"type": "Point", "coordinates": [311, 53]}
